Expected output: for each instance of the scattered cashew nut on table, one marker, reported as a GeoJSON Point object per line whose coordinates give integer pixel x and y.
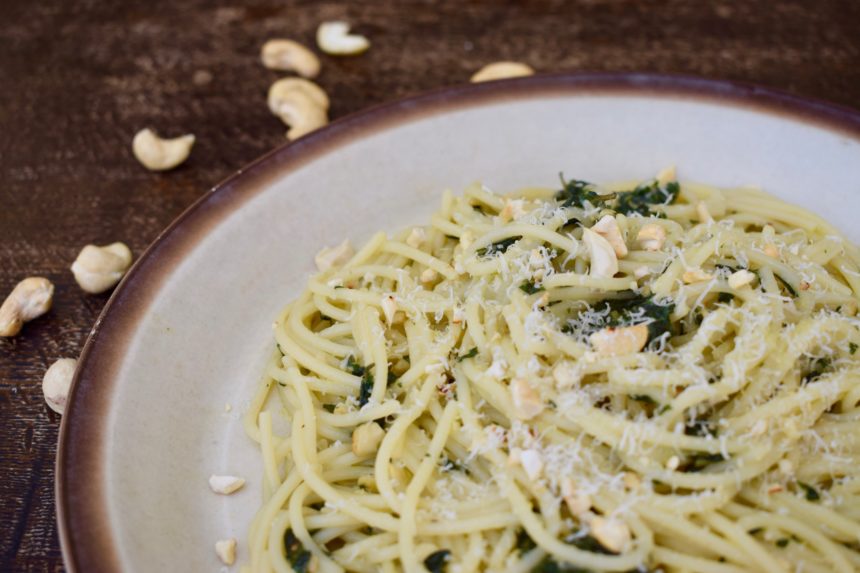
{"type": "Point", "coordinates": [501, 71]}
{"type": "Point", "coordinates": [300, 103]}
{"type": "Point", "coordinates": [56, 383]}
{"type": "Point", "coordinates": [334, 39]}
{"type": "Point", "coordinates": [98, 269]}
{"type": "Point", "coordinates": [159, 154]}
{"type": "Point", "coordinates": [31, 298]}
{"type": "Point", "coordinates": [290, 56]}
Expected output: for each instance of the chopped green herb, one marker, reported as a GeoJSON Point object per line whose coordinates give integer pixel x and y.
{"type": "Point", "coordinates": [785, 284]}
{"type": "Point", "coordinates": [297, 555]}
{"type": "Point", "coordinates": [354, 367]}
{"type": "Point", "coordinates": [644, 196]}
{"type": "Point", "coordinates": [437, 562]}
{"type": "Point", "coordinates": [663, 409]}
{"type": "Point", "coordinates": [497, 247]}
{"type": "Point", "coordinates": [816, 368]}
{"type": "Point", "coordinates": [530, 287]}
{"type": "Point", "coordinates": [643, 398]}
{"type": "Point", "coordinates": [641, 310]}
{"type": "Point", "coordinates": [701, 428]}
{"type": "Point", "coordinates": [755, 530]}
{"type": "Point", "coordinates": [524, 542]}
{"type": "Point", "coordinates": [810, 492]}
{"type": "Point", "coordinates": [471, 354]}
{"type": "Point", "coordinates": [329, 408]}
{"type": "Point", "coordinates": [725, 297]}
{"type": "Point", "coordinates": [782, 542]}
{"type": "Point", "coordinates": [852, 348]}
{"type": "Point", "coordinates": [366, 387]}
{"type": "Point", "coordinates": [699, 461]}
{"type": "Point", "coordinates": [575, 193]}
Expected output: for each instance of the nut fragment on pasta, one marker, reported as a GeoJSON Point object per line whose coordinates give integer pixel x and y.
{"type": "Point", "coordinates": [225, 485]}
{"type": "Point", "coordinates": [366, 438]}
{"type": "Point", "coordinates": [389, 307]}
{"type": "Point", "coordinates": [501, 71]}
{"type": "Point", "coordinates": [607, 227]}
{"type": "Point", "coordinates": [289, 55]}
{"type": "Point", "coordinates": [160, 154]}
{"type": "Point", "coordinates": [577, 501]}
{"type": "Point", "coordinates": [429, 275]}
{"type": "Point", "coordinates": [613, 534]}
{"type": "Point", "coordinates": [331, 257]}
{"type": "Point", "coordinates": [225, 549]}
{"type": "Point", "coordinates": [604, 262]}
{"type": "Point", "coordinates": [334, 39]}
{"type": "Point", "coordinates": [532, 463]}
{"type": "Point", "coordinates": [651, 237]}
{"type": "Point", "coordinates": [527, 402]}
{"type": "Point", "coordinates": [771, 250]}
{"type": "Point", "coordinates": [30, 299]}
{"type": "Point", "coordinates": [416, 237]}
{"type": "Point", "coordinates": [57, 382]}
{"type": "Point", "coordinates": [619, 341]}
{"type": "Point", "coordinates": [696, 275]}
{"type": "Point", "coordinates": [513, 210]}
{"type": "Point", "coordinates": [740, 278]}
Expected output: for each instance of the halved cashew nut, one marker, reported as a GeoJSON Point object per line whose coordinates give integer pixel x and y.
{"type": "Point", "coordinates": [29, 299]}
{"type": "Point", "coordinates": [607, 227]}
{"type": "Point", "coordinates": [158, 154]}
{"type": "Point", "coordinates": [334, 38]}
{"type": "Point", "coordinates": [56, 383]}
{"type": "Point", "coordinates": [604, 263]}
{"type": "Point", "coordinates": [98, 269]}
{"type": "Point", "coordinates": [290, 56]}
{"type": "Point", "coordinates": [501, 71]}
{"type": "Point", "coordinates": [619, 341]}
{"type": "Point", "coordinates": [300, 103]}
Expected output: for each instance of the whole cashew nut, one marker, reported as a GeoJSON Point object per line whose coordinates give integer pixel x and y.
{"type": "Point", "coordinates": [334, 38]}
{"type": "Point", "coordinates": [301, 104]}
{"type": "Point", "coordinates": [29, 299]}
{"type": "Point", "coordinates": [56, 383]}
{"type": "Point", "coordinates": [157, 154]}
{"type": "Point", "coordinates": [501, 71]}
{"type": "Point", "coordinates": [287, 56]}
{"type": "Point", "coordinates": [98, 269]}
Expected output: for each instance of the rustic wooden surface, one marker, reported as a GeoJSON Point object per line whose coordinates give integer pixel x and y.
{"type": "Point", "coordinates": [79, 77]}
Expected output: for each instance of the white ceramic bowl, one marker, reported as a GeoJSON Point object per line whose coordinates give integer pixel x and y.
{"type": "Point", "coordinates": [189, 328]}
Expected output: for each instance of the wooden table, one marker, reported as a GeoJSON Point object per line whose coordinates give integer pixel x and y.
{"type": "Point", "coordinates": [80, 77]}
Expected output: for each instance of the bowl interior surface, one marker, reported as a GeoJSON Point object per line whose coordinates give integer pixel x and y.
{"type": "Point", "coordinates": [190, 329]}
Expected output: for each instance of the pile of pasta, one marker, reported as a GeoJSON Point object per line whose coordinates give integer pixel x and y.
{"type": "Point", "coordinates": [644, 377]}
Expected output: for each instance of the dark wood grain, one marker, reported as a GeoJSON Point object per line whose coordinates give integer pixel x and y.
{"type": "Point", "coordinates": [79, 77]}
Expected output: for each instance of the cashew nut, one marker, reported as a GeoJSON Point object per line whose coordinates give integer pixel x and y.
{"type": "Point", "coordinates": [607, 227]}
{"type": "Point", "coordinates": [501, 71]}
{"type": "Point", "coordinates": [527, 402]}
{"type": "Point", "coordinates": [334, 38]}
{"type": "Point", "coordinates": [225, 549]}
{"type": "Point", "coordinates": [366, 438]}
{"type": "Point", "coordinates": [56, 383]}
{"type": "Point", "coordinates": [29, 299]}
{"type": "Point", "coordinates": [696, 275]}
{"type": "Point", "coordinates": [300, 103]}
{"type": "Point", "coordinates": [290, 56]}
{"type": "Point", "coordinates": [157, 154]}
{"type": "Point", "coordinates": [619, 341]}
{"type": "Point", "coordinates": [612, 534]}
{"type": "Point", "coordinates": [225, 485]}
{"type": "Point", "coordinates": [98, 269]}
{"type": "Point", "coordinates": [740, 278]}
{"type": "Point", "coordinates": [604, 263]}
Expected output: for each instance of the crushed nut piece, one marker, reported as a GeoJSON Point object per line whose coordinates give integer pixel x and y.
{"type": "Point", "coordinates": [331, 257]}
{"type": "Point", "coordinates": [577, 502]}
{"type": "Point", "coordinates": [619, 341]}
{"type": "Point", "coordinates": [366, 438]}
{"type": "Point", "coordinates": [604, 263]}
{"type": "Point", "coordinates": [288, 56]}
{"type": "Point", "coordinates": [429, 275]}
{"type": "Point", "coordinates": [771, 250]}
{"type": "Point", "coordinates": [513, 210]}
{"type": "Point", "coordinates": [532, 463]}
{"type": "Point", "coordinates": [389, 307]}
{"type": "Point", "coordinates": [612, 534]}
{"type": "Point", "coordinates": [651, 237]}
{"type": "Point", "coordinates": [607, 227]}
{"type": "Point", "coordinates": [416, 237]}
{"type": "Point", "coordinates": [225, 485]}
{"type": "Point", "coordinates": [501, 71]}
{"type": "Point", "coordinates": [225, 549]}
{"type": "Point", "coordinates": [631, 481]}
{"type": "Point", "coordinates": [696, 275]}
{"type": "Point", "coordinates": [527, 402]}
{"type": "Point", "coordinates": [740, 278]}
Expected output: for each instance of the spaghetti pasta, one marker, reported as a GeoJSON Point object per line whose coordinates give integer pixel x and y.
{"type": "Point", "coordinates": [481, 395]}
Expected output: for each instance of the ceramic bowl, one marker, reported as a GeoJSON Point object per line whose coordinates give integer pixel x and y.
{"type": "Point", "coordinates": [189, 328]}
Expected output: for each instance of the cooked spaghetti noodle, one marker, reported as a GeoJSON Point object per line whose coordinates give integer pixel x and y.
{"type": "Point", "coordinates": [588, 379]}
